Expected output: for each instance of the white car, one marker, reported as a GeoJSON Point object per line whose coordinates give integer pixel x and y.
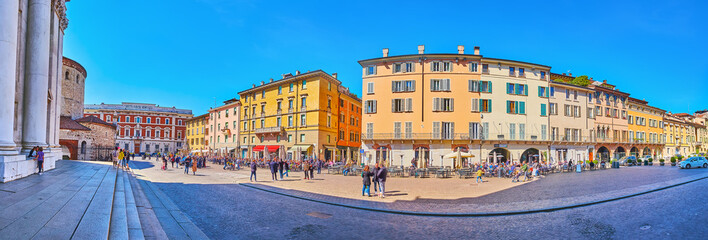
{"type": "Point", "coordinates": [694, 162]}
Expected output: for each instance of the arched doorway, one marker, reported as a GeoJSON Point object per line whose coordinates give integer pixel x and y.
{"type": "Point", "coordinates": [603, 154]}
{"type": "Point", "coordinates": [498, 155]}
{"type": "Point", "coordinates": [646, 152]}
{"type": "Point", "coordinates": [634, 152]}
{"type": "Point", "coordinates": [422, 157]}
{"type": "Point", "coordinates": [530, 155]}
{"type": "Point", "coordinates": [619, 153]}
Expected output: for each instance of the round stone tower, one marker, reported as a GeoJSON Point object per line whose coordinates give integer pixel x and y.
{"type": "Point", "coordinates": [72, 89]}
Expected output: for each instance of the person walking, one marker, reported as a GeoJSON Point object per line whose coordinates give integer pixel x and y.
{"type": "Point", "coordinates": [319, 167]}
{"type": "Point", "coordinates": [186, 166]}
{"type": "Point", "coordinates": [366, 175]}
{"type": "Point", "coordinates": [40, 160]}
{"type": "Point", "coordinates": [115, 154]}
{"type": "Point", "coordinates": [121, 155]}
{"type": "Point", "coordinates": [281, 167]}
{"type": "Point", "coordinates": [172, 159]}
{"type": "Point", "coordinates": [287, 168]}
{"type": "Point", "coordinates": [126, 161]}
{"type": "Point", "coordinates": [273, 170]}
{"type": "Point", "coordinates": [253, 171]}
{"type": "Point", "coordinates": [306, 169]}
{"type": "Point", "coordinates": [381, 176]}
{"type": "Point", "coordinates": [194, 167]}
{"type": "Point", "coordinates": [480, 171]}
{"type": "Point", "coordinates": [312, 169]}
{"type": "Point", "coordinates": [375, 178]}
{"type": "Point", "coordinates": [164, 163]}
{"type": "Point", "coordinates": [525, 171]}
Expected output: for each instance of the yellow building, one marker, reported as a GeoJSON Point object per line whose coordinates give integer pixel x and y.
{"type": "Point", "coordinates": [293, 118]}
{"type": "Point", "coordinates": [195, 134]}
{"type": "Point", "coordinates": [680, 133]}
{"type": "Point", "coordinates": [646, 127]}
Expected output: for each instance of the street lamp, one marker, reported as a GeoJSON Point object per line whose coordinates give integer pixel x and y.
{"type": "Point", "coordinates": [401, 160]}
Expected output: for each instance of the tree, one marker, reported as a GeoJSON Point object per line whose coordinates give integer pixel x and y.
{"type": "Point", "coordinates": [581, 81]}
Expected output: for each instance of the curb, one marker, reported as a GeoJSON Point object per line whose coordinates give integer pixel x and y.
{"type": "Point", "coordinates": [476, 214]}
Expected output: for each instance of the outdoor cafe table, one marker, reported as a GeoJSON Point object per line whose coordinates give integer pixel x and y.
{"type": "Point", "coordinates": [335, 170]}
{"type": "Point", "coordinates": [442, 173]}
{"type": "Point", "coordinates": [421, 172]}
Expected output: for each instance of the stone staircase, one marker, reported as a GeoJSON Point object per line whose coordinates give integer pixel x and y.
{"type": "Point", "coordinates": [90, 201]}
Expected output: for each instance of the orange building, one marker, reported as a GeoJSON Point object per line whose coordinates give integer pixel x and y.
{"type": "Point", "coordinates": [349, 126]}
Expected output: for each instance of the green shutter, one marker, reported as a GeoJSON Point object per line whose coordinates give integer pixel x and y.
{"type": "Point", "coordinates": [508, 106]}
{"type": "Point", "coordinates": [540, 91]}
{"type": "Point", "coordinates": [543, 109]}
{"type": "Point", "coordinates": [489, 86]}
{"type": "Point", "coordinates": [526, 90]}
{"type": "Point", "coordinates": [509, 88]}
{"type": "Point", "coordinates": [489, 103]}
{"type": "Point", "coordinates": [521, 108]}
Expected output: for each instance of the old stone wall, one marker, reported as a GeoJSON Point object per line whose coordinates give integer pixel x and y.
{"type": "Point", "coordinates": [91, 145]}
{"type": "Point", "coordinates": [72, 89]}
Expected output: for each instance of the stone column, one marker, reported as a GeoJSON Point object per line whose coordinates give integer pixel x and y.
{"type": "Point", "coordinates": [9, 11]}
{"type": "Point", "coordinates": [37, 74]}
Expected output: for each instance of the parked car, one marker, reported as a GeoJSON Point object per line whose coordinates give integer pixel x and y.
{"type": "Point", "coordinates": [628, 160]}
{"type": "Point", "coordinates": [694, 162]}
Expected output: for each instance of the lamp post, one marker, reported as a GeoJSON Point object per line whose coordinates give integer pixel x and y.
{"type": "Point", "coordinates": [401, 160]}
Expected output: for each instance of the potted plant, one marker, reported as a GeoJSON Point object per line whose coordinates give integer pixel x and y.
{"type": "Point", "coordinates": [651, 162]}
{"type": "Point", "coordinates": [673, 161]}
{"type": "Point", "coordinates": [646, 162]}
{"type": "Point", "coordinates": [661, 162]}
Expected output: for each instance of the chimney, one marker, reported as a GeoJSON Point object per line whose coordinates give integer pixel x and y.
{"type": "Point", "coordinates": [604, 81]}
{"type": "Point", "coordinates": [334, 75]}
{"type": "Point", "coordinates": [460, 49]}
{"type": "Point", "coordinates": [262, 82]}
{"type": "Point", "coordinates": [563, 74]}
{"type": "Point", "coordinates": [421, 49]}
{"type": "Point", "coordinates": [271, 80]}
{"type": "Point", "coordinates": [476, 50]}
{"type": "Point", "coordinates": [254, 85]}
{"type": "Point", "coordinates": [385, 52]}
{"type": "Point", "coordinates": [297, 72]}
{"type": "Point", "coordinates": [570, 74]}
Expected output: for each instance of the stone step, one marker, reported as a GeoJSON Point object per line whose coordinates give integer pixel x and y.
{"type": "Point", "coordinates": [150, 225]}
{"type": "Point", "coordinates": [135, 230]}
{"type": "Point", "coordinates": [119, 219]}
{"type": "Point", "coordinates": [96, 221]}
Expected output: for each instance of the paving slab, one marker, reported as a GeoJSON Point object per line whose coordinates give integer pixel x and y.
{"type": "Point", "coordinates": [119, 219]}
{"type": "Point", "coordinates": [148, 220]}
{"type": "Point", "coordinates": [135, 230]}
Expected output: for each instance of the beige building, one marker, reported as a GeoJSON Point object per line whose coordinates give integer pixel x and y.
{"type": "Point", "coordinates": [453, 109]}
{"type": "Point", "coordinates": [572, 119]}
{"type": "Point", "coordinates": [223, 124]}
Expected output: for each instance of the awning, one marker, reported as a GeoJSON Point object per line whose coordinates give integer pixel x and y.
{"type": "Point", "coordinates": [273, 148]}
{"type": "Point", "coordinates": [258, 148]}
{"type": "Point", "coordinates": [458, 154]}
{"type": "Point", "coordinates": [330, 147]}
{"type": "Point", "coordinates": [300, 147]}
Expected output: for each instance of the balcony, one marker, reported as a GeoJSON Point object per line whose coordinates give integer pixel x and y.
{"type": "Point", "coordinates": [269, 130]}
{"type": "Point", "coordinates": [485, 71]}
{"type": "Point", "coordinates": [522, 75]}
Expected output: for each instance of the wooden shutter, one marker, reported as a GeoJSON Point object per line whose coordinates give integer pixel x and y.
{"type": "Point", "coordinates": [469, 85]}
{"type": "Point", "coordinates": [374, 106]}
{"type": "Point", "coordinates": [489, 105]}
{"type": "Point", "coordinates": [409, 104]}
{"type": "Point", "coordinates": [522, 107]}
{"type": "Point", "coordinates": [540, 91]}
{"type": "Point", "coordinates": [526, 90]}
{"type": "Point", "coordinates": [452, 104]}
{"type": "Point", "coordinates": [451, 134]}
{"type": "Point", "coordinates": [393, 105]}
{"type": "Point", "coordinates": [508, 106]}
{"type": "Point", "coordinates": [475, 105]}
{"type": "Point", "coordinates": [436, 104]}
{"type": "Point", "coordinates": [509, 88]}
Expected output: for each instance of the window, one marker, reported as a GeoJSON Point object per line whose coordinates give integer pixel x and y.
{"type": "Point", "coordinates": [303, 120]}
{"type": "Point", "coordinates": [515, 107]}
{"type": "Point", "coordinates": [397, 67]}
{"type": "Point", "coordinates": [543, 109]}
{"type": "Point", "coordinates": [370, 70]}
{"type": "Point", "coordinates": [485, 105]}
{"type": "Point", "coordinates": [542, 92]}
{"type": "Point", "coordinates": [403, 86]}
{"type": "Point", "coordinates": [473, 67]}
{"type": "Point", "coordinates": [277, 122]}
{"type": "Point", "coordinates": [440, 66]}
{"type": "Point", "coordinates": [512, 131]}
{"type": "Point", "coordinates": [543, 75]}
{"type": "Point", "coordinates": [553, 89]}
{"type": "Point", "coordinates": [403, 67]}
{"type": "Point", "coordinates": [543, 131]}
{"type": "Point", "coordinates": [439, 85]}
{"type": "Point", "coordinates": [517, 89]}
{"type": "Point", "coordinates": [402, 105]}
{"type": "Point", "coordinates": [448, 130]}
{"type": "Point", "coordinates": [137, 119]}
{"type": "Point", "coordinates": [485, 68]}
{"type": "Point", "coordinates": [289, 90]}
{"type": "Point", "coordinates": [370, 88]}
{"type": "Point", "coordinates": [409, 129]}
{"type": "Point", "coordinates": [303, 102]}
{"type": "Point", "coordinates": [590, 113]}
{"type": "Point", "coordinates": [167, 121]}
{"type": "Point", "coordinates": [397, 129]}
{"type": "Point", "coordinates": [108, 118]}
{"type": "Point", "coordinates": [480, 86]}
{"type": "Point", "coordinates": [370, 106]}
{"type": "Point", "coordinates": [575, 95]}
{"type": "Point", "coordinates": [443, 104]}
{"type": "Point", "coordinates": [290, 137]}
{"type": "Point", "coordinates": [369, 130]}
{"type": "Point", "coordinates": [280, 89]}
{"type": "Point", "coordinates": [522, 131]}
{"type": "Point", "coordinates": [148, 120]}
{"type": "Point", "coordinates": [290, 121]}
{"type": "Point", "coordinates": [474, 130]}
{"type": "Point", "coordinates": [410, 67]}
{"type": "Point", "coordinates": [512, 72]}
{"type": "Point", "coordinates": [521, 72]}
{"type": "Point", "coordinates": [304, 84]}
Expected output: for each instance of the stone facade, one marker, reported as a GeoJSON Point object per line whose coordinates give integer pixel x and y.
{"type": "Point", "coordinates": [31, 46]}
{"type": "Point", "coordinates": [72, 89]}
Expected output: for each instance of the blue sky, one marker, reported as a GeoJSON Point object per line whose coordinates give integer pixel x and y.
{"type": "Point", "coordinates": [191, 53]}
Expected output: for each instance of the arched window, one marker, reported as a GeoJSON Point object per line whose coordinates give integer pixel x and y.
{"type": "Point", "coordinates": [83, 147]}
{"type": "Point", "coordinates": [77, 78]}
{"type": "Point", "coordinates": [66, 75]}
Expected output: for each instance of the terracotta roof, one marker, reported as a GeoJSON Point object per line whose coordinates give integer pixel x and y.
{"type": "Point", "coordinates": [94, 119]}
{"type": "Point", "coordinates": [65, 122]}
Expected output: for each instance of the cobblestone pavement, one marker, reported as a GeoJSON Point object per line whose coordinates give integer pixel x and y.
{"type": "Point", "coordinates": [231, 211]}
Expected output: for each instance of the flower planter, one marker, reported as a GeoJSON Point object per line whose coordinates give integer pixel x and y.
{"type": "Point", "coordinates": [661, 164]}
